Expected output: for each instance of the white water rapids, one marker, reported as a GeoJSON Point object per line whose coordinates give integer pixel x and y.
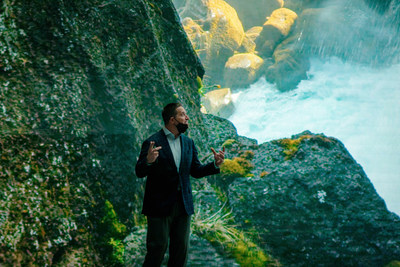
{"type": "Point", "coordinates": [358, 105]}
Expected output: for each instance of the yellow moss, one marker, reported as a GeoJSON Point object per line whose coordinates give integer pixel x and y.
{"type": "Point", "coordinates": [248, 154]}
{"type": "Point", "coordinates": [263, 174]}
{"type": "Point", "coordinates": [247, 253]}
{"type": "Point", "coordinates": [199, 82]}
{"type": "Point", "coordinates": [232, 168]}
{"type": "Point", "coordinates": [292, 145]}
{"type": "Point", "coordinates": [228, 143]}
{"type": "Point", "coordinates": [393, 264]}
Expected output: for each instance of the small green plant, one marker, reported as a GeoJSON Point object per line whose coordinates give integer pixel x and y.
{"type": "Point", "coordinates": [118, 250]}
{"type": "Point", "coordinates": [114, 231]}
{"type": "Point", "coordinates": [202, 90]}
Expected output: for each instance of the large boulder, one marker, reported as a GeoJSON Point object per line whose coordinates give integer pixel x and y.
{"type": "Point", "coordinates": [275, 29]}
{"type": "Point", "coordinates": [253, 12]}
{"type": "Point", "coordinates": [219, 102]}
{"type": "Point", "coordinates": [241, 70]}
{"type": "Point", "coordinates": [290, 66]}
{"type": "Point", "coordinates": [224, 34]}
{"type": "Point", "coordinates": [309, 202]}
{"type": "Point", "coordinates": [313, 205]}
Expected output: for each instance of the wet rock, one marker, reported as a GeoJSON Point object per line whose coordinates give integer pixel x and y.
{"type": "Point", "coordinates": [219, 102]}
{"type": "Point", "coordinates": [275, 29]}
{"type": "Point", "coordinates": [289, 66]}
{"type": "Point", "coordinates": [241, 70]}
{"type": "Point", "coordinates": [253, 12]}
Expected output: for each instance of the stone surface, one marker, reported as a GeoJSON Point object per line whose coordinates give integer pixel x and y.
{"type": "Point", "coordinates": [289, 66]}
{"type": "Point", "coordinates": [275, 29]}
{"type": "Point", "coordinates": [316, 208]}
{"type": "Point", "coordinates": [254, 12]}
{"type": "Point", "coordinates": [242, 69]}
{"type": "Point", "coordinates": [224, 34]}
{"type": "Point", "coordinates": [81, 86]}
{"type": "Point", "coordinates": [219, 102]}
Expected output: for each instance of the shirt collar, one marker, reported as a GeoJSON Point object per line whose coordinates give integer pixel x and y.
{"type": "Point", "coordinates": [168, 133]}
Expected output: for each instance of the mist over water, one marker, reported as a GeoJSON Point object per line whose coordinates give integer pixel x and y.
{"type": "Point", "coordinates": [357, 104]}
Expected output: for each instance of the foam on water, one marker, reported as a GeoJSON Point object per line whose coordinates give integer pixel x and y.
{"type": "Point", "coordinates": [358, 105]}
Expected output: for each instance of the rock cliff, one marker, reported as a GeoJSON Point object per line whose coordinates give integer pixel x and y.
{"type": "Point", "coordinates": [82, 84]}
{"type": "Point", "coordinates": [307, 201]}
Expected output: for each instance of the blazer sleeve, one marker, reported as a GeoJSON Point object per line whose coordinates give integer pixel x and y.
{"type": "Point", "coordinates": [198, 170]}
{"type": "Point", "coordinates": [142, 167]}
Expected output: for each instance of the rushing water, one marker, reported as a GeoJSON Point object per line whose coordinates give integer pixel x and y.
{"type": "Point", "coordinates": [358, 105]}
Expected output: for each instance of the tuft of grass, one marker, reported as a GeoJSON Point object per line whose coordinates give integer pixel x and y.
{"type": "Point", "coordinates": [219, 231]}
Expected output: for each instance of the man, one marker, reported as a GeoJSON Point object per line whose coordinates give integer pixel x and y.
{"type": "Point", "coordinates": [167, 159]}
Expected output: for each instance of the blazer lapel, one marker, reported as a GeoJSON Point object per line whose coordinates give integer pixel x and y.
{"type": "Point", "coordinates": [183, 154]}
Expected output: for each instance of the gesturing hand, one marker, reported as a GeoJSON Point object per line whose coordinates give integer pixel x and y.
{"type": "Point", "coordinates": [152, 153]}
{"type": "Point", "coordinates": [219, 157]}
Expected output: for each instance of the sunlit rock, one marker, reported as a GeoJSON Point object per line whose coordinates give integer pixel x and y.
{"type": "Point", "coordinates": [224, 33]}
{"type": "Point", "coordinates": [219, 102]}
{"type": "Point", "coordinates": [241, 70]}
{"type": "Point", "coordinates": [275, 29]}
{"type": "Point", "coordinates": [248, 43]}
{"type": "Point", "coordinates": [198, 37]}
{"type": "Point", "coordinates": [253, 12]}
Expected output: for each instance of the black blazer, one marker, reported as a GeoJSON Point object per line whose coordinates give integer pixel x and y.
{"type": "Point", "coordinates": [163, 178]}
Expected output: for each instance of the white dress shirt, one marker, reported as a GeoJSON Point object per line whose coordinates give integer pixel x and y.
{"type": "Point", "coordinates": [175, 145]}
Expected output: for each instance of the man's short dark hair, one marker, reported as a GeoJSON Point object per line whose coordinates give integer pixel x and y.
{"type": "Point", "coordinates": [170, 111]}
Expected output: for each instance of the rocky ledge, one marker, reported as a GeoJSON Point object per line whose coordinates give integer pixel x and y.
{"type": "Point", "coordinates": [306, 201]}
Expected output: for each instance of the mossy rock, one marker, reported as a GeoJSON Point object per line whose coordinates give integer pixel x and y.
{"type": "Point", "coordinates": [225, 37]}
{"type": "Point", "coordinates": [224, 34]}
{"type": "Point", "coordinates": [241, 70]}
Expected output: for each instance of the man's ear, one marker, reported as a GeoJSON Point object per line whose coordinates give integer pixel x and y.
{"type": "Point", "coordinates": [171, 120]}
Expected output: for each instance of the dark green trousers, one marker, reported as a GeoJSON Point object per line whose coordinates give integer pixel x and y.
{"type": "Point", "coordinates": [176, 229]}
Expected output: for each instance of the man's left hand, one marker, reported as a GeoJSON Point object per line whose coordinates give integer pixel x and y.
{"type": "Point", "coordinates": [218, 157]}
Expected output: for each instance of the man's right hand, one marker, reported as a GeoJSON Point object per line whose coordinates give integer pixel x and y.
{"type": "Point", "coordinates": [152, 153]}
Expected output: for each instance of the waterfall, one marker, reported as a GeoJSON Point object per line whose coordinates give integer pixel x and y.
{"type": "Point", "coordinates": [358, 104]}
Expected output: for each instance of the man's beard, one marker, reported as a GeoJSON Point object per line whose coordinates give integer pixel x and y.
{"type": "Point", "coordinates": [182, 127]}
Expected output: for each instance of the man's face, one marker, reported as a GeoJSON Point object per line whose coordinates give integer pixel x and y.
{"type": "Point", "coordinates": [181, 116]}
